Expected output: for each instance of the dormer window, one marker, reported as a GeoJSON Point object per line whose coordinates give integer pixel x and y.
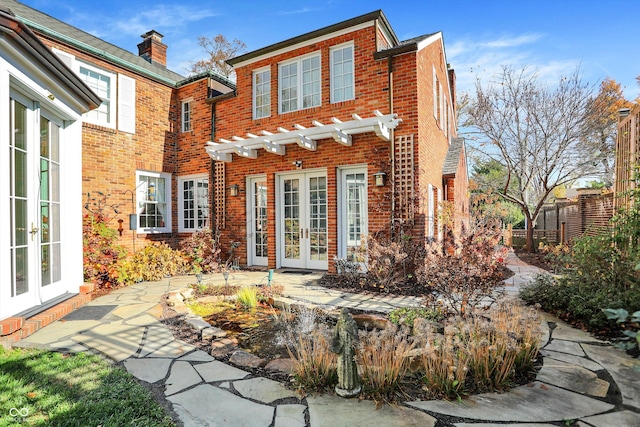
{"type": "Point", "coordinates": [299, 84]}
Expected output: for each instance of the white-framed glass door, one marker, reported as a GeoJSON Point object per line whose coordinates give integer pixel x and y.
{"type": "Point", "coordinates": [258, 223]}
{"type": "Point", "coordinates": [303, 220]}
{"type": "Point", "coordinates": [353, 214]}
{"type": "Point", "coordinates": [33, 206]}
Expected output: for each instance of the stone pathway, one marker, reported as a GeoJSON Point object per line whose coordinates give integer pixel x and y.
{"type": "Point", "coordinates": [580, 379]}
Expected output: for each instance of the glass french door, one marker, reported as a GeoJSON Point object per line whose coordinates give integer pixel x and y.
{"type": "Point", "coordinates": [258, 237]}
{"type": "Point", "coordinates": [34, 206]}
{"type": "Point", "coordinates": [303, 221]}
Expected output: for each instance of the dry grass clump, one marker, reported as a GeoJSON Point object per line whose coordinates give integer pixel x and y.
{"type": "Point", "coordinates": [383, 362]}
{"type": "Point", "coordinates": [484, 351]}
{"type": "Point", "coordinates": [314, 365]}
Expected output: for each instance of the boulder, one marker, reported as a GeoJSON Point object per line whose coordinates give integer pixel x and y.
{"type": "Point", "coordinates": [371, 321]}
{"type": "Point", "coordinates": [280, 365]}
{"type": "Point", "coordinates": [247, 360]}
{"type": "Point", "coordinates": [222, 347]}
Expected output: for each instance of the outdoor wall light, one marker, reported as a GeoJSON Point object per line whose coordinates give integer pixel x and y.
{"type": "Point", "coordinates": [379, 178]}
{"type": "Point", "coordinates": [234, 189]}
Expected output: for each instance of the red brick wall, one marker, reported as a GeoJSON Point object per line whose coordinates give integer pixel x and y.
{"type": "Point", "coordinates": [110, 157]}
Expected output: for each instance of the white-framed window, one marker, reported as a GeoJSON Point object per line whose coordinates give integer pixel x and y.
{"type": "Point", "coordinates": [103, 84]}
{"type": "Point", "coordinates": [299, 84]}
{"type": "Point", "coordinates": [441, 105]}
{"type": "Point", "coordinates": [342, 82]}
{"type": "Point", "coordinates": [193, 202]}
{"type": "Point", "coordinates": [118, 104]}
{"type": "Point", "coordinates": [185, 115]}
{"type": "Point", "coordinates": [262, 93]}
{"type": "Point", "coordinates": [436, 95]}
{"type": "Point", "coordinates": [153, 202]}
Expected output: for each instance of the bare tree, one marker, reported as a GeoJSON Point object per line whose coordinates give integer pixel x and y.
{"type": "Point", "coordinates": [219, 50]}
{"type": "Point", "coordinates": [535, 132]}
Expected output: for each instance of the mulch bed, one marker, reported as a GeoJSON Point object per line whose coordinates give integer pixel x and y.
{"type": "Point", "coordinates": [536, 259]}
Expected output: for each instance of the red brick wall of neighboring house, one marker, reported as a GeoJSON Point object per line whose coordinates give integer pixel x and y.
{"type": "Point", "coordinates": [111, 157]}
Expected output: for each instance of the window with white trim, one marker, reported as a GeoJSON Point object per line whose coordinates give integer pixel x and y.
{"type": "Point", "coordinates": [299, 84]}
{"type": "Point", "coordinates": [435, 94]}
{"type": "Point", "coordinates": [153, 195]}
{"type": "Point", "coordinates": [342, 84]}
{"type": "Point", "coordinates": [262, 93]}
{"type": "Point", "coordinates": [193, 202]}
{"type": "Point", "coordinates": [102, 83]}
{"type": "Point", "coordinates": [118, 104]}
{"type": "Point", "coordinates": [430, 212]}
{"type": "Point", "coordinates": [186, 115]}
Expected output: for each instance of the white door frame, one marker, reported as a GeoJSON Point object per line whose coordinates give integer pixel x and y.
{"type": "Point", "coordinates": [306, 232]}
{"type": "Point", "coordinates": [253, 257]}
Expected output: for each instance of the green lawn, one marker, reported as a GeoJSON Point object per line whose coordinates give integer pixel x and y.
{"type": "Point", "coordinates": [40, 388]}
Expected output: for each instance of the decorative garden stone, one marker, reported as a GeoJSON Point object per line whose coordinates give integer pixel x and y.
{"type": "Point", "coordinates": [345, 338]}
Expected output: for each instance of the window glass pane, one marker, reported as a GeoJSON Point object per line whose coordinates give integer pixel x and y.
{"type": "Point", "coordinates": [342, 74]}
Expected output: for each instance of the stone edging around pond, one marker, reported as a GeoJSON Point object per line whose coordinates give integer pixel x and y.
{"type": "Point", "coordinates": [223, 346]}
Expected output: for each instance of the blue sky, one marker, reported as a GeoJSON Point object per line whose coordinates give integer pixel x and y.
{"type": "Point", "coordinates": [601, 37]}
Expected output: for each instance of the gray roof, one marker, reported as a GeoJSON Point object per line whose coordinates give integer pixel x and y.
{"type": "Point", "coordinates": [456, 149]}
{"type": "Point", "coordinates": [67, 34]}
{"type": "Point", "coordinates": [13, 29]}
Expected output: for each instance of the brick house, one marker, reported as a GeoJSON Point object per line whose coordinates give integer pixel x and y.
{"type": "Point", "coordinates": [323, 139]}
{"type": "Point", "coordinates": [332, 136]}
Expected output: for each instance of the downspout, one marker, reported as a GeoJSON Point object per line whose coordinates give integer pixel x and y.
{"type": "Point", "coordinates": [392, 151]}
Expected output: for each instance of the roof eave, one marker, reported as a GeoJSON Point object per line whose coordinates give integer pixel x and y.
{"type": "Point", "coordinates": [372, 16]}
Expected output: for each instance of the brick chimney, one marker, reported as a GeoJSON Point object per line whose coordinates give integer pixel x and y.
{"type": "Point", "coordinates": [152, 49]}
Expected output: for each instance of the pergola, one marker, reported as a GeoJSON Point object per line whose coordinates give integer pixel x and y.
{"type": "Point", "coordinates": [305, 137]}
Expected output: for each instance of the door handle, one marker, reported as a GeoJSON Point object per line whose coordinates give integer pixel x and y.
{"type": "Point", "coordinates": [33, 231]}
{"type": "Point", "coordinates": [307, 233]}
{"type": "Point", "coordinates": [302, 233]}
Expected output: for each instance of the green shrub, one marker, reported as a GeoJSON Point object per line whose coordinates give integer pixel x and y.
{"type": "Point", "coordinates": [101, 253]}
{"type": "Point", "coordinates": [153, 262]}
{"type": "Point", "coordinates": [406, 316]}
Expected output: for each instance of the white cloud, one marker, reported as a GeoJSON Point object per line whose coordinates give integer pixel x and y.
{"type": "Point", "coordinates": [482, 59]}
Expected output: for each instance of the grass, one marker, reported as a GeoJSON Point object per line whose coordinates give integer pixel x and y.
{"type": "Point", "coordinates": [40, 388]}
{"type": "Point", "coordinates": [247, 296]}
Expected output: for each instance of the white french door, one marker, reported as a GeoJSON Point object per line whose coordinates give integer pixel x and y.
{"type": "Point", "coordinates": [33, 206]}
{"type": "Point", "coordinates": [303, 241]}
{"type": "Point", "coordinates": [258, 225]}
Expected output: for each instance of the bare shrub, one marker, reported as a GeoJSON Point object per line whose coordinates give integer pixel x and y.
{"type": "Point", "coordinates": [465, 273]}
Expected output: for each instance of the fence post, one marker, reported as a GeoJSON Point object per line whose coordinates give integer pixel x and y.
{"type": "Point", "coordinates": [508, 235]}
{"type": "Point", "coordinates": [562, 231]}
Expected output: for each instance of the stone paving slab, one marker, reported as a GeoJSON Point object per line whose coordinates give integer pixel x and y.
{"type": "Point", "coordinates": [206, 405]}
{"type": "Point", "coordinates": [132, 310]}
{"type": "Point", "coordinates": [218, 371]}
{"type": "Point", "coordinates": [290, 416]}
{"type": "Point", "coordinates": [537, 402]}
{"type": "Point", "coordinates": [197, 356]}
{"type": "Point", "coordinates": [262, 389]}
{"type": "Point", "coordinates": [572, 359]}
{"type": "Point", "coordinates": [117, 342]}
{"type": "Point", "coordinates": [502, 425]}
{"type": "Point", "coordinates": [149, 370]}
{"type": "Point", "coordinates": [58, 331]}
{"type": "Point", "coordinates": [563, 346]}
{"type": "Point", "coordinates": [332, 411]}
{"type": "Point", "coordinates": [182, 376]}
{"type": "Point", "coordinates": [143, 320]}
{"type": "Point", "coordinates": [615, 419]}
{"type": "Point", "coordinates": [624, 370]}
{"type": "Point", "coordinates": [572, 377]}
